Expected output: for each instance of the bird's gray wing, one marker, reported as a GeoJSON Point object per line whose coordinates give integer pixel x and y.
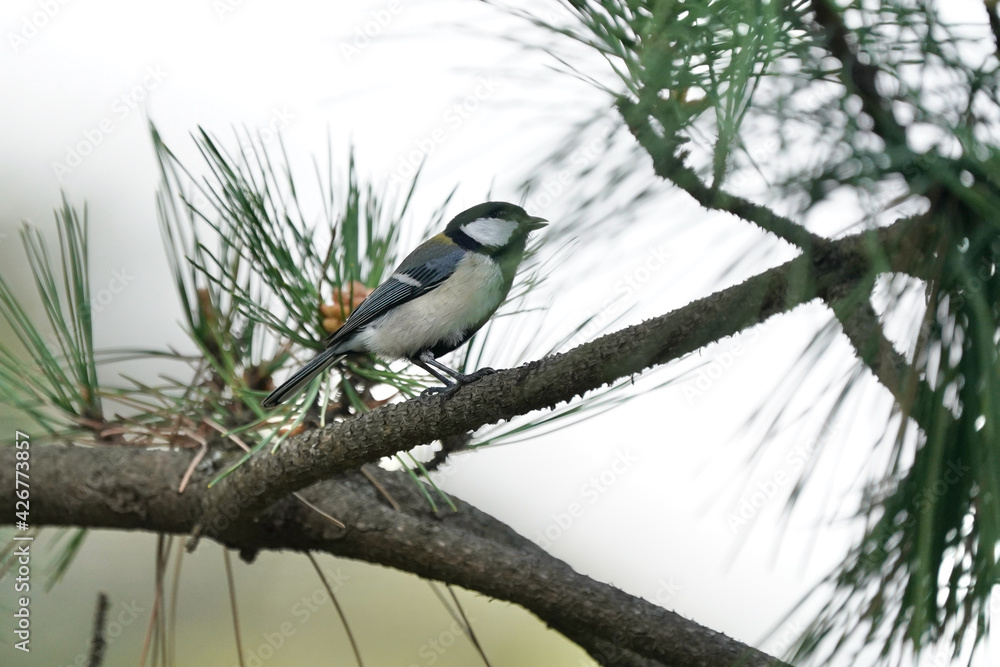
{"type": "Point", "coordinates": [415, 276]}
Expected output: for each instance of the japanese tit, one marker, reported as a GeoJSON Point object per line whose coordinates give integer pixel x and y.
{"type": "Point", "coordinates": [441, 294]}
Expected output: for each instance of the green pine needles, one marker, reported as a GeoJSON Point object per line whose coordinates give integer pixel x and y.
{"type": "Point", "coordinates": [889, 108]}
{"type": "Point", "coordinates": [265, 268]}
{"type": "Point", "coordinates": [55, 382]}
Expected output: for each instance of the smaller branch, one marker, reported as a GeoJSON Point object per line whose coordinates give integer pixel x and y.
{"type": "Point", "coordinates": [466, 625]}
{"type": "Point", "coordinates": [874, 350]}
{"type": "Point", "coordinates": [670, 167]}
{"type": "Point", "coordinates": [232, 604]}
{"type": "Point", "coordinates": [906, 247]}
{"type": "Point", "coordinates": [336, 604]}
{"type": "Point", "coordinates": [991, 12]}
{"type": "Point", "coordinates": [97, 643]}
{"type": "Point", "coordinates": [903, 247]}
{"type": "Point", "coordinates": [863, 329]}
{"type": "Point", "coordinates": [202, 450]}
{"type": "Point", "coordinates": [858, 77]}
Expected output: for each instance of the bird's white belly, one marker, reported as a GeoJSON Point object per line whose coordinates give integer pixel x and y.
{"type": "Point", "coordinates": [470, 295]}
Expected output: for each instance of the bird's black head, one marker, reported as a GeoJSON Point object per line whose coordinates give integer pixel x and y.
{"type": "Point", "coordinates": [493, 225]}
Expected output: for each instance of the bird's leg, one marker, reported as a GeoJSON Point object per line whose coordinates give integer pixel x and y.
{"type": "Point", "coordinates": [427, 361]}
{"type": "Point", "coordinates": [460, 378]}
{"type": "Point", "coordinates": [422, 362]}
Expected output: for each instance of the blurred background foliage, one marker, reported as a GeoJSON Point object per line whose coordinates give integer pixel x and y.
{"type": "Point", "coordinates": [886, 111]}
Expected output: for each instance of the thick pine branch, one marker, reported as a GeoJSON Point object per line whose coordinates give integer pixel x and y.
{"type": "Point", "coordinates": [135, 489]}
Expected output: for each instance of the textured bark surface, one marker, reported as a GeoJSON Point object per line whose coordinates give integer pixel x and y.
{"type": "Point", "coordinates": [134, 489]}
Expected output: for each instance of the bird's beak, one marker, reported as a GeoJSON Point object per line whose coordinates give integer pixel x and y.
{"type": "Point", "coordinates": [533, 223]}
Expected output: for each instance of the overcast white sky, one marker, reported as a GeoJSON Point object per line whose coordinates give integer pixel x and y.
{"type": "Point", "coordinates": [656, 483]}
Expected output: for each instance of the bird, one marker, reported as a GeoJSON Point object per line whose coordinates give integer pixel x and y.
{"type": "Point", "coordinates": [442, 293]}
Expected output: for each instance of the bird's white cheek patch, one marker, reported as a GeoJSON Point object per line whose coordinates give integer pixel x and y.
{"type": "Point", "coordinates": [491, 232]}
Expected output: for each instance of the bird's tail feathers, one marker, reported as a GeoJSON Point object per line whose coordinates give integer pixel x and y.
{"type": "Point", "coordinates": [302, 377]}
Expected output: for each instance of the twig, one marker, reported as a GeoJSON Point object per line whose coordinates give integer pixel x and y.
{"type": "Point", "coordinates": [991, 12]}
{"type": "Point", "coordinates": [336, 604]}
{"type": "Point", "coordinates": [862, 327]}
{"type": "Point", "coordinates": [468, 626]}
{"type": "Point", "coordinates": [97, 642]}
{"type": "Point", "coordinates": [670, 167]}
{"type": "Point", "coordinates": [154, 617]}
{"type": "Point", "coordinates": [202, 450]}
{"type": "Point", "coordinates": [232, 605]}
{"type": "Point", "coordinates": [381, 489]}
{"type": "Point", "coordinates": [858, 77]}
